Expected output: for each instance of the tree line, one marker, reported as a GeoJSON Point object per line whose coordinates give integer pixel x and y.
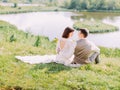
{"type": "Point", "coordinates": [92, 4]}
{"type": "Point", "coordinates": [76, 4]}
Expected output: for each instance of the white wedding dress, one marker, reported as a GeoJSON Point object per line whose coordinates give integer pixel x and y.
{"type": "Point", "coordinates": [64, 55]}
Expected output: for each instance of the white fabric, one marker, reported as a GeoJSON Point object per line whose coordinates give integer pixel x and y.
{"type": "Point", "coordinates": [64, 56]}
{"type": "Point", "coordinates": [37, 59]}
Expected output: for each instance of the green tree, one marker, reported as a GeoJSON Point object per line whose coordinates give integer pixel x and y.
{"type": "Point", "coordinates": [100, 5]}
{"type": "Point", "coordinates": [73, 4]}
{"type": "Point", "coordinates": [84, 4]}
{"type": "Point", "coordinates": [30, 1]}
{"type": "Point", "coordinates": [111, 5]}
{"type": "Point", "coordinates": [66, 4]}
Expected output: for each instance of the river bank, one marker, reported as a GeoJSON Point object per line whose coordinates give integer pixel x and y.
{"type": "Point", "coordinates": [39, 8]}
{"type": "Point", "coordinates": [26, 9]}
{"type": "Point", "coordinates": [15, 74]}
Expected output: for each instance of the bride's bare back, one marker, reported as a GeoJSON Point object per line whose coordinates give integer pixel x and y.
{"type": "Point", "coordinates": [62, 44]}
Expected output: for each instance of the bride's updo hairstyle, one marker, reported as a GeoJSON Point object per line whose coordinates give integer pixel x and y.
{"type": "Point", "coordinates": [67, 31]}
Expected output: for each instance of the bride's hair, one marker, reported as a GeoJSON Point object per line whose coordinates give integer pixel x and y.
{"type": "Point", "coordinates": [66, 32]}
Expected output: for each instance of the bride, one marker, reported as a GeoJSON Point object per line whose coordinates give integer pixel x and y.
{"type": "Point", "coordinates": [65, 47]}
{"type": "Point", "coordinates": [65, 50]}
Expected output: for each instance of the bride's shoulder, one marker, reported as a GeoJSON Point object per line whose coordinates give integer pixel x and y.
{"type": "Point", "coordinates": [71, 41]}
{"type": "Point", "coordinates": [67, 40]}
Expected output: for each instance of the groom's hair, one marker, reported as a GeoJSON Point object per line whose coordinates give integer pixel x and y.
{"type": "Point", "coordinates": [66, 32]}
{"type": "Point", "coordinates": [85, 32]}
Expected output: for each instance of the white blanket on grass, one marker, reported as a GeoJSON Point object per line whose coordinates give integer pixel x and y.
{"type": "Point", "coordinates": [43, 59]}
{"type": "Point", "coordinates": [37, 59]}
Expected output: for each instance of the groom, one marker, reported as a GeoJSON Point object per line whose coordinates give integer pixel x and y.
{"type": "Point", "coordinates": [85, 51]}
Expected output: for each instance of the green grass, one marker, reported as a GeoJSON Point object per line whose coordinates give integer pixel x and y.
{"type": "Point", "coordinates": [22, 39]}
{"type": "Point", "coordinates": [95, 26]}
{"type": "Point", "coordinates": [15, 75]}
{"type": "Point", "coordinates": [25, 9]}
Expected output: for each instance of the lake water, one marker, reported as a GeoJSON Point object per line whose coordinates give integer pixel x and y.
{"type": "Point", "coordinates": [52, 24]}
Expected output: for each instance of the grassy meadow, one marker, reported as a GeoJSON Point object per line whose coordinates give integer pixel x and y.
{"type": "Point", "coordinates": [16, 75]}
{"type": "Point", "coordinates": [95, 26]}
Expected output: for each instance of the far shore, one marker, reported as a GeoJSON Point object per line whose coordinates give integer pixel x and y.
{"type": "Point", "coordinates": [9, 8]}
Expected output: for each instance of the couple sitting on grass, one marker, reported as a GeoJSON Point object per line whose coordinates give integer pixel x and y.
{"type": "Point", "coordinates": [69, 52]}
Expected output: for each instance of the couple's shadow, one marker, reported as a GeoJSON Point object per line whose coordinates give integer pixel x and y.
{"type": "Point", "coordinates": [51, 67]}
